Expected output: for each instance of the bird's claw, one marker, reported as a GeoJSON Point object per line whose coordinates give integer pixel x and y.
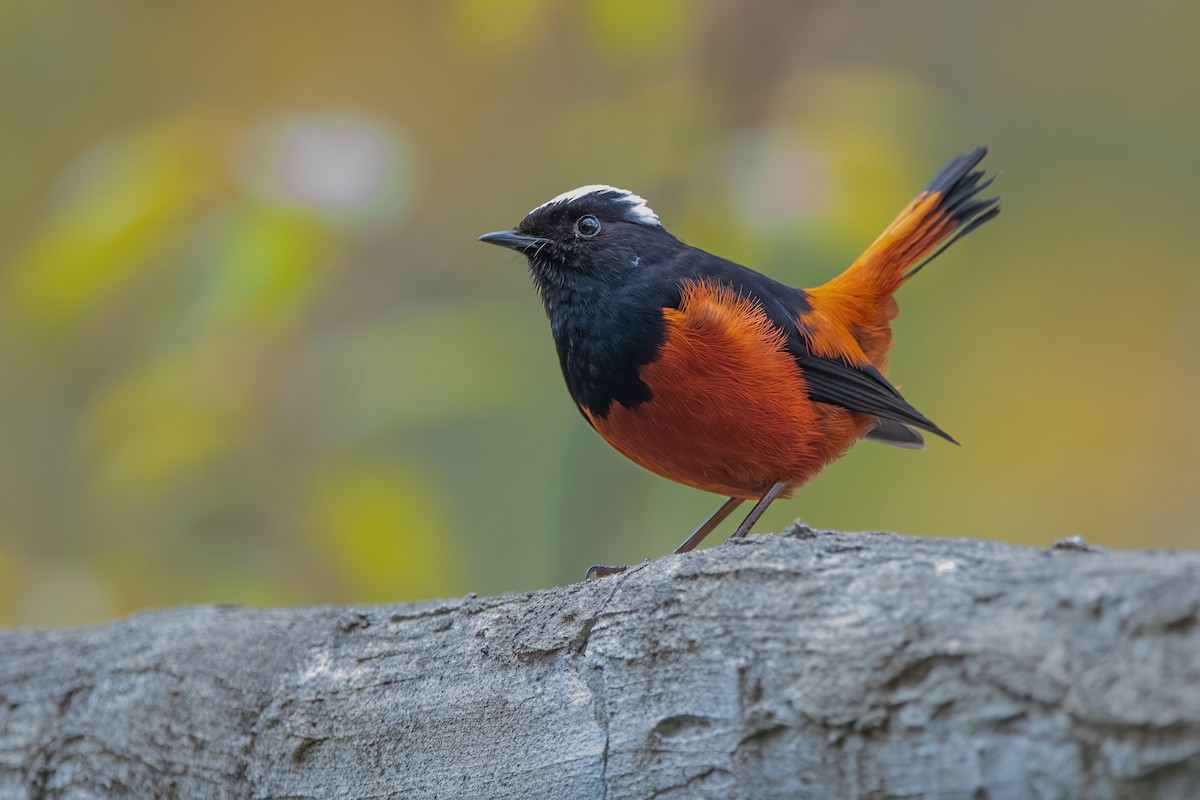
{"type": "Point", "coordinates": [597, 571]}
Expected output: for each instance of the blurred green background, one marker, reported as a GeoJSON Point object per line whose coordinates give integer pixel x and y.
{"type": "Point", "coordinates": [252, 352]}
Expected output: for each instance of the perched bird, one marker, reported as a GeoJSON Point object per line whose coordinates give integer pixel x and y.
{"type": "Point", "coordinates": [714, 375]}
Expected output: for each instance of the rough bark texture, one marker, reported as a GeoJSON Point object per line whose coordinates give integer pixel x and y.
{"type": "Point", "coordinates": [805, 665]}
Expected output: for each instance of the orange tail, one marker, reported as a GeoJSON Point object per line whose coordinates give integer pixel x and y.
{"type": "Point", "coordinates": [858, 304]}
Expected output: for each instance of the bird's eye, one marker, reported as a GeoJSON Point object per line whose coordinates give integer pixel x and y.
{"type": "Point", "coordinates": [587, 226]}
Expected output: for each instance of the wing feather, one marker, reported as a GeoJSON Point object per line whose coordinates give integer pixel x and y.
{"type": "Point", "coordinates": [830, 379]}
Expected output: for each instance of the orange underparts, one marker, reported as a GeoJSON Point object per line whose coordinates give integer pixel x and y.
{"type": "Point", "coordinates": [730, 412]}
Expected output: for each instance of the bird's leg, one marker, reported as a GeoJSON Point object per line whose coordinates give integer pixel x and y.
{"type": "Point", "coordinates": [600, 571]}
{"type": "Point", "coordinates": [709, 524]}
{"type": "Point", "coordinates": [758, 510]}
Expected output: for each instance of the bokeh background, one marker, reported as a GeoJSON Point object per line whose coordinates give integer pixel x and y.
{"type": "Point", "coordinates": [252, 353]}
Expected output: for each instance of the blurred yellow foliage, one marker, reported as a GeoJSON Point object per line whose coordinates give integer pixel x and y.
{"type": "Point", "coordinates": [621, 28]}
{"type": "Point", "coordinates": [156, 427]}
{"type": "Point", "coordinates": [382, 526]}
{"type": "Point", "coordinates": [119, 203]}
{"type": "Point", "coordinates": [252, 352]}
{"type": "Point", "coordinates": [268, 267]}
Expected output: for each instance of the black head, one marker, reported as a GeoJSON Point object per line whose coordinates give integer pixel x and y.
{"type": "Point", "coordinates": [592, 236]}
{"type": "Point", "coordinates": [602, 265]}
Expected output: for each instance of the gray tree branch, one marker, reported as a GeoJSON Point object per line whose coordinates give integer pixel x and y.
{"type": "Point", "coordinates": [804, 665]}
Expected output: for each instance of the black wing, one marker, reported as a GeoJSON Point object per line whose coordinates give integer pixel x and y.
{"type": "Point", "coordinates": [860, 389]}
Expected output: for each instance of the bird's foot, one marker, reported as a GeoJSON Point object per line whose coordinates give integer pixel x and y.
{"type": "Point", "coordinates": [601, 571]}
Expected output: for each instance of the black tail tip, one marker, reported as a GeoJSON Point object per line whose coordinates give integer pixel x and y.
{"type": "Point", "coordinates": [953, 172]}
{"type": "Point", "coordinates": [959, 187]}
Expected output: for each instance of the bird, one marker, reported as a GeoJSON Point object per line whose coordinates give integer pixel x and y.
{"type": "Point", "coordinates": [716, 376]}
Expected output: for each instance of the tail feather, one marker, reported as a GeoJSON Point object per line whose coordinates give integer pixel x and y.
{"type": "Point", "coordinates": [857, 306]}
{"type": "Point", "coordinates": [960, 204]}
{"type": "Point", "coordinates": [947, 209]}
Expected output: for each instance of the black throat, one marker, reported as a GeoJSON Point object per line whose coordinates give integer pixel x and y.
{"type": "Point", "coordinates": [605, 334]}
